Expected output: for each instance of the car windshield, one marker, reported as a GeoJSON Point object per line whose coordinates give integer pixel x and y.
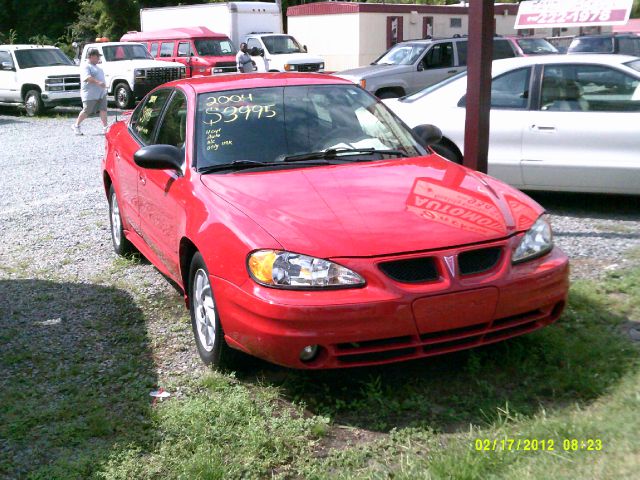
{"type": "Point", "coordinates": [213, 47]}
{"type": "Point", "coordinates": [536, 46]}
{"type": "Point", "coordinates": [278, 44]}
{"type": "Point", "coordinates": [591, 45]}
{"type": "Point", "coordinates": [635, 64]}
{"type": "Point", "coordinates": [41, 57]}
{"type": "Point", "coordinates": [402, 54]}
{"type": "Point", "coordinates": [115, 53]}
{"type": "Point", "coordinates": [275, 123]}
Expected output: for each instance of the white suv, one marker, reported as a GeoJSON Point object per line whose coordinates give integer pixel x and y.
{"type": "Point", "coordinates": [130, 71]}
{"type": "Point", "coordinates": [37, 77]}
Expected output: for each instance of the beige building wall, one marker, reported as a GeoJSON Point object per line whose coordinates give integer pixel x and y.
{"type": "Point", "coordinates": [335, 38]}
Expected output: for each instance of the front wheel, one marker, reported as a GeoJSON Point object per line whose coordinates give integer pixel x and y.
{"type": "Point", "coordinates": [124, 96]}
{"type": "Point", "coordinates": [33, 103]}
{"type": "Point", "coordinates": [121, 245]}
{"type": "Point", "coordinates": [205, 318]}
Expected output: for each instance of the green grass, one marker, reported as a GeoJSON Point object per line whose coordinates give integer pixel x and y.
{"type": "Point", "coordinates": [81, 409]}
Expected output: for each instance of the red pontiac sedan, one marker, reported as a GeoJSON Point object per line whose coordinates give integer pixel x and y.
{"type": "Point", "coordinates": [308, 226]}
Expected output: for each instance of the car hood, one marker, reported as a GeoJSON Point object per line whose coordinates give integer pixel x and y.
{"type": "Point", "coordinates": [377, 208]}
{"type": "Point", "coordinates": [141, 63]}
{"type": "Point", "coordinates": [42, 72]}
{"type": "Point", "coordinates": [371, 71]}
{"type": "Point", "coordinates": [297, 58]}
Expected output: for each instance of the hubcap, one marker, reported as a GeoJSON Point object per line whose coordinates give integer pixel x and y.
{"type": "Point", "coordinates": [204, 310]}
{"type": "Point", "coordinates": [115, 220]}
{"type": "Point", "coordinates": [31, 105]}
{"type": "Point", "coordinates": [122, 96]}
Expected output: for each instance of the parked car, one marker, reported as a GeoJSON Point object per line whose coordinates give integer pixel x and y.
{"type": "Point", "coordinates": [37, 77]}
{"type": "Point", "coordinates": [621, 43]}
{"type": "Point", "coordinates": [412, 65]}
{"type": "Point", "coordinates": [130, 70]}
{"type": "Point", "coordinates": [567, 123]}
{"type": "Point", "coordinates": [309, 227]}
{"type": "Point", "coordinates": [200, 50]}
{"type": "Point", "coordinates": [525, 46]}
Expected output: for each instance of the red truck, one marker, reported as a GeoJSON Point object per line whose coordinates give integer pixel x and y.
{"type": "Point", "coordinates": [202, 51]}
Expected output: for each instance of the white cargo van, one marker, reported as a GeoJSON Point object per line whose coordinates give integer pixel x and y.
{"type": "Point", "coordinates": [259, 24]}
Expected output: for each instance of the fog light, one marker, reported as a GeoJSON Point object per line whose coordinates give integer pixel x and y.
{"type": "Point", "coordinates": [308, 353]}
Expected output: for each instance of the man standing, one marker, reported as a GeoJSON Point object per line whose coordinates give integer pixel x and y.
{"type": "Point", "coordinates": [93, 91]}
{"type": "Point", "coordinates": [243, 60]}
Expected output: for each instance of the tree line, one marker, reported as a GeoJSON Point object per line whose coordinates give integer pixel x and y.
{"type": "Point", "coordinates": [62, 22]}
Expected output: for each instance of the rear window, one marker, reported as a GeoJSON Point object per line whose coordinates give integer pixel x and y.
{"type": "Point", "coordinates": [536, 46]}
{"type": "Point", "coordinates": [635, 64]}
{"type": "Point", "coordinates": [591, 45]}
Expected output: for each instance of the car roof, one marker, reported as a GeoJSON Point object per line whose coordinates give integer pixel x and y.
{"type": "Point", "coordinates": [24, 46]}
{"type": "Point", "coordinates": [109, 44]}
{"type": "Point", "coordinates": [608, 35]}
{"type": "Point", "coordinates": [235, 81]}
{"type": "Point", "coordinates": [600, 58]}
{"type": "Point", "coordinates": [172, 34]}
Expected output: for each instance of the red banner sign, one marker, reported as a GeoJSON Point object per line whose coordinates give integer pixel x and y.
{"type": "Point", "coordinates": [572, 13]}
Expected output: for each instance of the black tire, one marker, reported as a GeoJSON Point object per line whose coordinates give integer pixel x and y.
{"type": "Point", "coordinates": [33, 103]}
{"type": "Point", "coordinates": [121, 245]}
{"type": "Point", "coordinates": [205, 319]}
{"type": "Point", "coordinates": [447, 151]}
{"type": "Point", "coordinates": [389, 94]}
{"type": "Point", "coordinates": [123, 96]}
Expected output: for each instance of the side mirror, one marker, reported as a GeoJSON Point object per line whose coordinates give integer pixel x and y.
{"type": "Point", "coordinates": [304, 47]}
{"type": "Point", "coordinates": [159, 157]}
{"type": "Point", "coordinates": [420, 66]}
{"type": "Point", "coordinates": [7, 66]}
{"type": "Point", "coordinates": [427, 134]}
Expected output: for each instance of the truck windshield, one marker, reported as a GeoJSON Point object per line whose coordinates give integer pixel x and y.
{"type": "Point", "coordinates": [402, 54]}
{"type": "Point", "coordinates": [271, 124]}
{"type": "Point", "coordinates": [115, 53]}
{"type": "Point", "coordinates": [279, 44]}
{"type": "Point", "coordinates": [536, 46]}
{"type": "Point", "coordinates": [41, 57]}
{"type": "Point", "coordinates": [213, 47]}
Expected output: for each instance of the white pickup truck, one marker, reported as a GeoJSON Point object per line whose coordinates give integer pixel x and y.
{"type": "Point", "coordinates": [130, 71]}
{"type": "Point", "coordinates": [37, 77]}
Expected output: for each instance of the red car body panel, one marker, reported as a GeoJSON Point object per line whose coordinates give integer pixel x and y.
{"type": "Point", "coordinates": [359, 215]}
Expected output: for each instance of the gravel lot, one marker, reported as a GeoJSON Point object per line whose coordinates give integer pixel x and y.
{"type": "Point", "coordinates": [54, 226]}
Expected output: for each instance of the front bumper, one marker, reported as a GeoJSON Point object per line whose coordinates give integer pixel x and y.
{"type": "Point", "coordinates": [388, 321]}
{"type": "Point", "coordinates": [55, 98]}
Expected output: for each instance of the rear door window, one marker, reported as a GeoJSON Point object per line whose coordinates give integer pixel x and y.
{"type": "Point", "coordinates": [629, 46]}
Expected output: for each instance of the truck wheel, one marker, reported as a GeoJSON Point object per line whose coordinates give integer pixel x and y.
{"type": "Point", "coordinates": [33, 103]}
{"type": "Point", "coordinates": [124, 96]}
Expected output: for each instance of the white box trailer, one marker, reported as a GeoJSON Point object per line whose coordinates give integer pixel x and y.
{"type": "Point", "coordinates": [259, 24]}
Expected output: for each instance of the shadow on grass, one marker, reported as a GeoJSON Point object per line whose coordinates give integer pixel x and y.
{"type": "Point", "coordinates": [76, 374]}
{"type": "Point", "coordinates": [573, 361]}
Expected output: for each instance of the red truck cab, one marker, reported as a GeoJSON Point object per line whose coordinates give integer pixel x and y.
{"type": "Point", "coordinates": [202, 51]}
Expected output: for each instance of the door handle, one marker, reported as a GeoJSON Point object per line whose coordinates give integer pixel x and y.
{"type": "Point", "coordinates": [543, 128]}
{"type": "Point", "coordinates": [452, 71]}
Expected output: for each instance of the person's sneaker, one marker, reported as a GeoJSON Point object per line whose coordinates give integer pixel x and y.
{"type": "Point", "coordinates": [76, 129]}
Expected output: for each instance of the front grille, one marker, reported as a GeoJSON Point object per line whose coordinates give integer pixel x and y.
{"type": "Point", "coordinates": [62, 82]}
{"type": "Point", "coordinates": [308, 67]}
{"type": "Point", "coordinates": [158, 76]}
{"type": "Point", "coordinates": [445, 341]}
{"type": "Point", "coordinates": [413, 270]}
{"type": "Point", "coordinates": [478, 261]}
{"type": "Point", "coordinates": [226, 67]}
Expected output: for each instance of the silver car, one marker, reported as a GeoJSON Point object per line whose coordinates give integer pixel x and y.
{"type": "Point", "coordinates": [412, 65]}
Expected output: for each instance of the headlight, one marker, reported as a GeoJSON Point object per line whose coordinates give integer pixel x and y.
{"type": "Point", "coordinates": [138, 73]}
{"type": "Point", "coordinates": [536, 242]}
{"type": "Point", "coordinates": [280, 269]}
{"type": "Point", "coordinates": [218, 70]}
{"type": "Point", "coordinates": [289, 68]}
{"type": "Point", "coordinates": [321, 67]}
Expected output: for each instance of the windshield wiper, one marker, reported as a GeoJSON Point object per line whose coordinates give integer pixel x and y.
{"type": "Point", "coordinates": [337, 153]}
{"type": "Point", "coordinates": [247, 164]}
